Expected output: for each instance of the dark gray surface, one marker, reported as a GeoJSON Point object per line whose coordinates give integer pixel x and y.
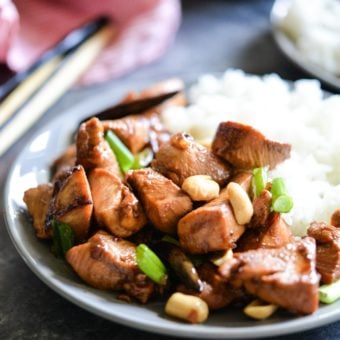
{"type": "Point", "coordinates": [214, 35]}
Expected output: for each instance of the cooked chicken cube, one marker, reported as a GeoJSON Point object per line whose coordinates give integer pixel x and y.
{"type": "Point", "coordinates": [327, 251]}
{"type": "Point", "coordinates": [210, 227]}
{"type": "Point", "coordinates": [182, 157]}
{"type": "Point", "coordinates": [284, 276]}
{"type": "Point", "coordinates": [71, 202]}
{"type": "Point", "coordinates": [92, 149]}
{"type": "Point", "coordinates": [246, 148]}
{"type": "Point", "coordinates": [37, 201]}
{"type": "Point", "coordinates": [107, 262]}
{"type": "Point", "coordinates": [261, 205]}
{"type": "Point", "coordinates": [274, 234]}
{"type": "Point", "coordinates": [335, 219]}
{"type": "Point", "coordinates": [115, 207]}
{"type": "Point", "coordinates": [164, 202]}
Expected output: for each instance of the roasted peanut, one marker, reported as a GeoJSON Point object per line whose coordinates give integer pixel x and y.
{"type": "Point", "coordinates": [201, 188]}
{"type": "Point", "coordinates": [241, 203]}
{"type": "Point", "coordinates": [187, 307]}
{"type": "Point", "coordinates": [259, 310]}
{"type": "Point", "coordinates": [225, 257]}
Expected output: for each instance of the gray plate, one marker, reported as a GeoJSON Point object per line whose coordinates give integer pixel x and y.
{"type": "Point", "coordinates": [287, 46]}
{"type": "Point", "coordinates": [31, 168]}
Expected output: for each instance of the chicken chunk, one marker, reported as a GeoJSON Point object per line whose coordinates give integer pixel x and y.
{"type": "Point", "coordinates": [210, 227]}
{"type": "Point", "coordinates": [115, 207]}
{"type": "Point", "coordinates": [327, 251]}
{"type": "Point", "coordinates": [274, 234]}
{"type": "Point", "coordinates": [335, 219]}
{"type": "Point", "coordinates": [71, 202]}
{"type": "Point", "coordinates": [107, 262]}
{"type": "Point", "coordinates": [262, 205]}
{"type": "Point", "coordinates": [37, 201]}
{"type": "Point", "coordinates": [246, 148]}
{"type": "Point", "coordinates": [182, 157]}
{"type": "Point", "coordinates": [164, 202]}
{"type": "Point", "coordinates": [284, 276]}
{"type": "Point", "coordinates": [92, 149]}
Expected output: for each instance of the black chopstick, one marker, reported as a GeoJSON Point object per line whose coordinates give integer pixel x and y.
{"type": "Point", "coordinates": [69, 43]}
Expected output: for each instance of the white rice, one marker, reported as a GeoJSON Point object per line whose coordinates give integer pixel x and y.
{"type": "Point", "coordinates": [296, 113]}
{"type": "Point", "coordinates": [315, 27]}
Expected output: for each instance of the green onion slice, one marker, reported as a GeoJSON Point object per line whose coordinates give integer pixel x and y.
{"type": "Point", "coordinates": [170, 239]}
{"type": "Point", "coordinates": [330, 293]}
{"type": "Point", "coordinates": [124, 156]}
{"type": "Point", "coordinates": [150, 264]}
{"type": "Point", "coordinates": [143, 159]}
{"type": "Point", "coordinates": [63, 238]}
{"type": "Point", "coordinates": [282, 204]}
{"type": "Point", "coordinates": [259, 180]}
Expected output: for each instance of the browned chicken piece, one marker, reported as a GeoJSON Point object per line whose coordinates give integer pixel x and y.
{"type": "Point", "coordinates": [182, 157]}
{"type": "Point", "coordinates": [164, 202]}
{"type": "Point", "coordinates": [140, 130]}
{"type": "Point", "coordinates": [92, 149]}
{"type": "Point", "coordinates": [211, 227]}
{"type": "Point", "coordinates": [107, 262]}
{"type": "Point", "coordinates": [335, 219]}
{"type": "Point", "coordinates": [217, 293]}
{"type": "Point", "coordinates": [71, 201]}
{"type": "Point", "coordinates": [274, 234]}
{"type": "Point", "coordinates": [284, 276]}
{"type": "Point", "coordinates": [115, 207]}
{"type": "Point", "coordinates": [261, 205]}
{"type": "Point", "coordinates": [327, 251]}
{"type": "Point", "coordinates": [246, 148]}
{"type": "Point", "coordinates": [37, 201]}
{"type": "Point", "coordinates": [66, 161]}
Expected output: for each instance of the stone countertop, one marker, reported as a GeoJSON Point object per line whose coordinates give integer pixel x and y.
{"type": "Point", "coordinates": [214, 35]}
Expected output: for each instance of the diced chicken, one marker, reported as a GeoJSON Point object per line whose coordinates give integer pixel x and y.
{"type": "Point", "coordinates": [164, 202]}
{"type": "Point", "coordinates": [92, 149]}
{"type": "Point", "coordinates": [284, 276]}
{"type": "Point", "coordinates": [261, 205]}
{"type": "Point", "coordinates": [140, 130]}
{"type": "Point", "coordinates": [37, 201]}
{"type": "Point", "coordinates": [274, 234]}
{"type": "Point", "coordinates": [182, 157]}
{"type": "Point", "coordinates": [328, 250]}
{"type": "Point", "coordinates": [72, 201]}
{"type": "Point", "coordinates": [217, 293]}
{"type": "Point", "coordinates": [66, 161]}
{"type": "Point", "coordinates": [115, 207]}
{"type": "Point", "coordinates": [107, 262]}
{"type": "Point", "coordinates": [246, 148]}
{"type": "Point", "coordinates": [210, 227]}
{"type": "Point", "coordinates": [335, 219]}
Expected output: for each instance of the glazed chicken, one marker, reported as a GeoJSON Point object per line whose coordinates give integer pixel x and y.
{"type": "Point", "coordinates": [246, 148]}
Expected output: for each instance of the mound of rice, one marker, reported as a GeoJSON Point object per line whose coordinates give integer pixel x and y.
{"type": "Point", "coordinates": [296, 113]}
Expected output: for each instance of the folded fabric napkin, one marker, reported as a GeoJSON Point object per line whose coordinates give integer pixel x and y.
{"type": "Point", "coordinates": [145, 28]}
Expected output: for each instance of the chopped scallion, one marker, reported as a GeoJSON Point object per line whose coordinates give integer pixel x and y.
{"type": "Point", "coordinates": [330, 293]}
{"type": "Point", "coordinates": [281, 202]}
{"type": "Point", "coordinates": [150, 264]}
{"type": "Point", "coordinates": [124, 156]}
{"type": "Point", "coordinates": [259, 180]}
{"type": "Point", "coordinates": [143, 159]}
{"type": "Point", "coordinates": [63, 238]}
{"type": "Point", "coordinates": [170, 239]}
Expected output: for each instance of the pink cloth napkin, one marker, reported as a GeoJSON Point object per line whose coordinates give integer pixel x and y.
{"type": "Point", "coordinates": [145, 30]}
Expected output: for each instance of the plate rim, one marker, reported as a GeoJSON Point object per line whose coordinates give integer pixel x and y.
{"type": "Point", "coordinates": [177, 328]}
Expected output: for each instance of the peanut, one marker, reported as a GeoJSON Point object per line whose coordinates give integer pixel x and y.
{"type": "Point", "coordinates": [259, 311]}
{"type": "Point", "coordinates": [241, 203]}
{"type": "Point", "coordinates": [201, 188]}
